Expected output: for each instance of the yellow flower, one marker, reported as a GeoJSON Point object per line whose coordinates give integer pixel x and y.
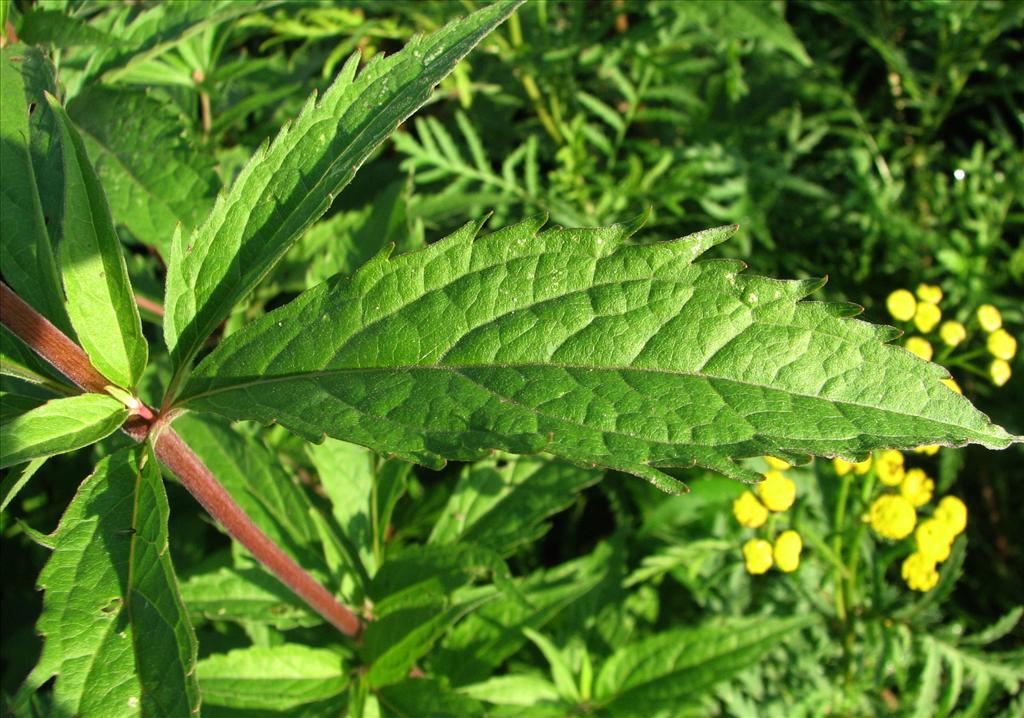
{"type": "Point", "coordinates": [890, 467]}
{"type": "Point", "coordinates": [901, 305]}
{"type": "Point", "coordinates": [1002, 345]}
{"type": "Point", "coordinates": [927, 317]}
{"type": "Point", "coordinates": [776, 491]}
{"type": "Point", "coordinates": [929, 293]}
{"type": "Point", "coordinates": [917, 487]}
{"type": "Point", "coordinates": [951, 383]}
{"type": "Point", "coordinates": [919, 346]}
{"type": "Point", "coordinates": [892, 516]}
{"type": "Point", "coordinates": [749, 511]}
{"type": "Point", "coordinates": [1000, 372]}
{"type": "Point", "coordinates": [919, 572]}
{"type": "Point", "coordinates": [778, 464]}
{"type": "Point", "coordinates": [952, 512]}
{"type": "Point", "coordinates": [952, 333]}
{"type": "Point", "coordinates": [934, 539]}
{"type": "Point", "coordinates": [757, 554]}
{"type": "Point", "coordinates": [928, 450]}
{"type": "Point", "coordinates": [989, 318]}
{"type": "Point", "coordinates": [787, 550]}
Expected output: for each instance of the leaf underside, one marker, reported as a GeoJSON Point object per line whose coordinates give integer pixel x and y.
{"type": "Point", "coordinates": [582, 344]}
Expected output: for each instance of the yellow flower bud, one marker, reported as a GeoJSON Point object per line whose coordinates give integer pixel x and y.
{"type": "Point", "coordinates": [1000, 371]}
{"type": "Point", "coordinates": [928, 450]}
{"type": "Point", "coordinates": [844, 467]}
{"type": "Point", "coordinates": [952, 512]}
{"type": "Point", "coordinates": [862, 467]}
{"type": "Point", "coordinates": [1002, 345]}
{"type": "Point", "coordinates": [919, 572]}
{"type": "Point", "coordinates": [916, 487]}
{"type": "Point", "coordinates": [776, 491]}
{"type": "Point", "coordinates": [787, 550]}
{"type": "Point", "coordinates": [892, 516]}
{"type": "Point", "coordinates": [919, 346]}
{"type": "Point", "coordinates": [952, 333]}
{"type": "Point", "coordinates": [757, 554]}
{"type": "Point", "coordinates": [901, 305]}
{"type": "Point", "coordinates": [749, 511]}
{"type": "Point", "coordinates": [951, 383]}
{"type": "Point", "coordinates": [989, 318]}
{"type": "Point", "coordinates": [927, 317]}
{"type": "Point", "coordinates": [890, 467]}
{"type": "Point", "coordinates": [929, 293]}
{"type": "Point", "coordinates": [934, 539]}
{"type": "Point", "coordinates": [778, 464]}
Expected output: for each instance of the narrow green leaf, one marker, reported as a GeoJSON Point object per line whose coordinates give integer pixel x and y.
{"type": "Point", "coordinates": [273, 678]}
{"type": "Point", "coordinates": [502, 503]}
{"type": "Point", "coordinates": [26, 250]}
{"type": "Point", "coordinates": [514, 690]}
{"type": "Point", "coordinates": [675, 666]}
{"type": "Point", "coordinates": [15, 481]}
{"type": "Point", "coordinates": [347, 474]}
{"type": "Point", "coordinates": [58, 426]}
{"type": "Point", "coordinates": [153, 177]}
{"type": "Point", "coordinates": [483, 641]}
{"type": "Point", "coordinates": [100, 300]}
{"type": "Point", "coordinates": [579, 343]}
{"type": "Point", "coordinates": [560, 670]}
{"type": "Point", "coordinates": [290, 183]}
{"type": "Point", "coordinates": [426, 698]}
{"type": "Point", "coordinates": [116, 634]}
{"type": "Point", "coordinates": [246, 595]}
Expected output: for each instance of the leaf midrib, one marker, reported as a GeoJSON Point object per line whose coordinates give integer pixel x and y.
{"type": "Point", "coordinates": [328, 373]}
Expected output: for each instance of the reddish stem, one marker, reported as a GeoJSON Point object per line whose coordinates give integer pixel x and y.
{"type": "Point", "coordinates": [49, 342]}
{"type": "Point", "coordinates": [193, 474]}
{"type": "Point", "coordinates": [68, 358]}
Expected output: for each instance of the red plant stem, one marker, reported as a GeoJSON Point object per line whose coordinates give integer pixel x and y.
{"type": "Point", "coordinates": [193, 474]}
{"type": "Point", "coordinates": [54, 346]}
{"type": "Point", "coordinates": [49, 342]}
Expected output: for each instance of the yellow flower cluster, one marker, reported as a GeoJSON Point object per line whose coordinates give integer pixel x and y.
{"type": "Point", "coordinates": [934, 540]}
{"type": "Point", "coordinates": [925, 313]}
{"type": "Point", "coordinates": [775, 494]}
{"type": "Point", "coordinates": [1000, 344]}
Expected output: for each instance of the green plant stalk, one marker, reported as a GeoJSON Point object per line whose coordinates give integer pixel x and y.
{"type": "Point", "coordinates": [839, 526]}
{"type": "Point", "coordinates": [530, 85]}
{"type": "Point", "coordinates": [70, 360]}
{"type": "Point", "coordinates": [853, 563]}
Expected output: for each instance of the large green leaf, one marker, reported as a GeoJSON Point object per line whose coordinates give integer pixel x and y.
{"type": "Point", "coordinates": [152, 176]}
{"type": "Point", "coordinates": [579, 343]}
{"type": "Point", "coordinates": [676, 666]}
{"type": "Point", "coordinates": [290, 183]}
{"type": "Point", "coordinates": [100, 299]}
{"type": "Point", "coordinates": [58, 426]}
{"type": "Point", "coordinates": [116, 634]}
{"type": "Point", "coordinates": [272, 678]}
{"type": "Point", "coordinates": [26, 251]}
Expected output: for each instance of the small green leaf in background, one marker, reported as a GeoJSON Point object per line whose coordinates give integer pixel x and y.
{"type": "Point", "coordinates": [245, 595]}
{"type": "Point", "coordinates": [582, 344]}
{"type": "Point", "coordinates": [58, 426]}
{"type": "Point", "coordinates": [153, 177]}
{"type": "Point", "coordinates": [29, 265]}
{"type": "Point", "coordinates": [426, 698]}
{"type": "Point", "coordinates": [15, 481]}
{"type": "Point", "coordinates": [675, 666]}
{"type": "Point", "coordinates": [292, 181]}
{"type": "Point", "coordinates": [273, 678]}
{"type": "Point", "coordinates": [116, 635]}
{"type": "Point", "coordinates": [502, 503]}
{"type": "Point", "coordinates": [100, 299]}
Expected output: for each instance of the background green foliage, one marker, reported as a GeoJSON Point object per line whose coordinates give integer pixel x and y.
{"type": "Point", "coordinates": [880, 143]}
